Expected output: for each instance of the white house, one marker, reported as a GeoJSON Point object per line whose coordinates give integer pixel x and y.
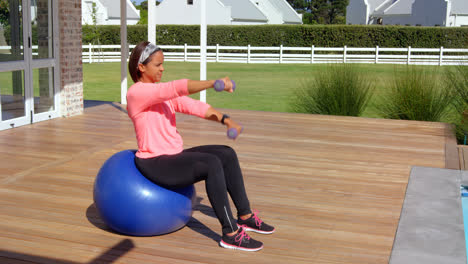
{"type": "Point", "coordinates": [447, 13]}
{"type": "Point", "coordinates": [227, 12]}
{"type": "Point", "coordinates": [458, 13]}
{"type": "Point", "coordinates": [107, 12]}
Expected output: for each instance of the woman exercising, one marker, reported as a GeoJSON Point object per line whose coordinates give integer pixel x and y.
{"type": "Point", "coordinates": [161, 158]}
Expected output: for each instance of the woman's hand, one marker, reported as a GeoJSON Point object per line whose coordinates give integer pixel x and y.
{"type": "Point", "coordinates": [231, 124]}
{"type": "Point", "coordinates": [228, 85]}
{"type": "Point", "coordinates": [215, 115]}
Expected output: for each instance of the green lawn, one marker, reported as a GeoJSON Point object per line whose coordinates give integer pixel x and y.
{"type": "Point", "coordinates": [264, 87]}
{"type": "Point", "coordinates": [6, 81]}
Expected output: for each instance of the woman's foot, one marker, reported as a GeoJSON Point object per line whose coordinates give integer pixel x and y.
{"type": "Point", "coordinates": [240, 241]}
{"type": "Point", "coordinates": [254, 223]}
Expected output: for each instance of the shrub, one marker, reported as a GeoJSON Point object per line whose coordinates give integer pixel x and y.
{"type": "Point", "coordinates": [291, 35]}
{"type": "Point", "coordinates": [416, 94]}
{"type": "Point", "coordinates": [461, 127]}
{"type": "Point", "coordinates": [457, 78]}
{"type": "Point", "coordinates": [340, 90]}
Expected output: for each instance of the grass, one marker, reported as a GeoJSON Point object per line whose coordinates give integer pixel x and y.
{"type": "Point", "coordinates": [341, 90]}
{"type": "Point", "coordinates": [6, 80]}
{"type": "Point", "coordinates": [458, 79]}
{"type": "Point", "coordinates": [417, 94]}
{"type": "Point", "coordinates": [259, 87]}
{"type": "Point", "coordinates": [262, 87]}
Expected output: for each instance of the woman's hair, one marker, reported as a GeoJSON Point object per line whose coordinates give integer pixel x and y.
{"type": "Point", "coordinates": [134, 59]}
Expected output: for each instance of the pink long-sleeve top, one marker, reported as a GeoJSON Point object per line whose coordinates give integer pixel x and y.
{"type": "Point", "coordinates": [152, 107]}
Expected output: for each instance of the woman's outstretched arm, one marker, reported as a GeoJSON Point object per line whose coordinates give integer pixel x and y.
{"type": "Point", "coordinates": [198, 86]}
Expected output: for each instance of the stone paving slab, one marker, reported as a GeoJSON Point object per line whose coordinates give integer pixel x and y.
{"type": "Point", "coordinates": [431, 228]}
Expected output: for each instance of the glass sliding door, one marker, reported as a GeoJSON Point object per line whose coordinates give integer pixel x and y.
{"type": "Point", "coordinates": [28, 62]}
{"type": "Point", "coordinates": [43, 65]}
{"type": "Point", "coordinates": [13, 65]}
{"type": "Point", "coordinates": [43, 84]}
{"type": "Point", "coordinates": [12, 94]}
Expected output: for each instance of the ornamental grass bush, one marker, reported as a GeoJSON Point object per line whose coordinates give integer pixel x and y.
{"type": "Point", "coordinates": [416, 94]}
{"type": "Point", "coordinates": [457, 79]}
{"type": "Point", "coordinates": [339, 90]}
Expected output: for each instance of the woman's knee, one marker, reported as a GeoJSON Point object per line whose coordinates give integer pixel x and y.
{"type": "Point", "coordinates": [230, 153]}
{"type": "Point", "coordinates": [213, 162]}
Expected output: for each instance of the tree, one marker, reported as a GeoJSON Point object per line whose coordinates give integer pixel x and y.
{"type": "Point", "coordinates": [321, 11]}
{"type": "Point", "coordinates": [4, 13]}
{"type": "Point", "coordinates": [143, 7]}
{"type": "Point", "coordinates": [337, 11]}
{"type": "Point", "coordinates": [297, 4]}
{"type": "Point", "coordinates": [95, 32]}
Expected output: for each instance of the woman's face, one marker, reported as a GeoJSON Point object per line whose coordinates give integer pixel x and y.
{"type": "Point", "coordinates": [153, 70]}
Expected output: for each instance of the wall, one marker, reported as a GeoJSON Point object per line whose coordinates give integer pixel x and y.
{"type": "Point", "coordinates": [87, 10]}
{"type": "Point", "coordinates": [178, 12]}
{"type": "Point", "coordinates": [423, 13]}
{"type": "Point", "coordinates": [429, 12]}
{"type": "Point", "coordinates": [402, 20]}
{"type": "Point", "coordinates": [247, 23]}
{"type": "Point", "coordinates": [70, 63]}
{"type": "Point", "coordinates": [356, 12]}
{"type": "Point", "coordinates": [458, 20]}
{"type": "Point", "coordinates": [114, 21]}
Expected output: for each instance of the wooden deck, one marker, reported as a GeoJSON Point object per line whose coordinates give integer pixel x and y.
{"type": "Point", "coordinates": [332, 186]}
{"type": "Point", "coordinates": [463, 156]}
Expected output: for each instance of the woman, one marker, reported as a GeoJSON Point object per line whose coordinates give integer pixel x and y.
{"type": "Point", "coordinates": [161, 157]}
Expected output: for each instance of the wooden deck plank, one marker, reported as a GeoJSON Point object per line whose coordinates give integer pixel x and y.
{"type": "Point", "coordinates": [333, 187]}
{"type": "Point", "coordinates": [463, 156]}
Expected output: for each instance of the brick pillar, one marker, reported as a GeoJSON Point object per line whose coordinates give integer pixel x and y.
{"type": "Point", "coordinates": [71, 68]}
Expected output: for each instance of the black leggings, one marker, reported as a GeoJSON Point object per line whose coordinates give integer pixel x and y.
{"type": "Point", "coordinates": [217, 165]}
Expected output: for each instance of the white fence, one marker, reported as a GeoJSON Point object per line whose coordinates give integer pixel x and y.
{"type": "Point", "coordinates": [281, 54]}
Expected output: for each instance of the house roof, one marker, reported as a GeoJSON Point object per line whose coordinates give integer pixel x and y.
{"type": "Point", "coordinates": [288, 13]}
{"type": "Point", "coordinates": [404, 7]}
{"type": "Point", "coordinates": [383, 6]}
{"type": "Point", "coordinates": [400, 7]}
{"type": "Point", "coordinates": [113, 9]}
{"type": "Point", "coordinates": [459, 7]}
{"type": "Point", "coordinates": [374, 4]}
{"type": "Point", "coordinates": [244, 10]}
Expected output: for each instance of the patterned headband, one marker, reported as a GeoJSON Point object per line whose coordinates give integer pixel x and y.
{"type": "Point", "coordinates": [150, 49]}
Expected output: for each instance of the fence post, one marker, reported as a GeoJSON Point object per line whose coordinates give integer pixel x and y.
{"type": "Point", "coordinates": [281, 54]}
{"type": "Point", "coordinates": [89, 53]}
{"type": "Point", "coordinates": [248, 53]}
{"type": "Point", "coordinates": [312, 54]}
{"type": "Point", "coordinates": [217, 52]}
{"type": "Point", "coordinates": [409, 55]}
{"type": "Point", "coordinates": [376, 54]}
{"type": "Point", "coordinates": [441, 55]}
{"type": "Point", "coordinates": [344, 54]}
{"type": "Point", "coordinates": [185, 51]}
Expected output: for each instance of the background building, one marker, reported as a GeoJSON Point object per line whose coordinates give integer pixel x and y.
{"type": "Point", "coordinates": [447, 13]}
{"type": "Point", "coordinates": [107, 12]}
{"type": "Point", "coordinates": [227, 12]}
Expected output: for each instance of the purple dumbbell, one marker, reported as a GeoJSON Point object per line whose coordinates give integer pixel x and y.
{"type": "Point", "coordinates": [219, 85]}
{"type": "Point", "coordinates": [232, 133]}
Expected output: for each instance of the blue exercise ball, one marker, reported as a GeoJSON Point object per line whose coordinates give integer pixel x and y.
{"type": "Point", "coordinates": [131, 204]}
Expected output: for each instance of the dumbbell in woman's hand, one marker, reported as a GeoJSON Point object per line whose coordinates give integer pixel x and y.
{"type": "Point", "coordinates": [219, 85]}
{"type": "Point", "coordinates": [232, 133]}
